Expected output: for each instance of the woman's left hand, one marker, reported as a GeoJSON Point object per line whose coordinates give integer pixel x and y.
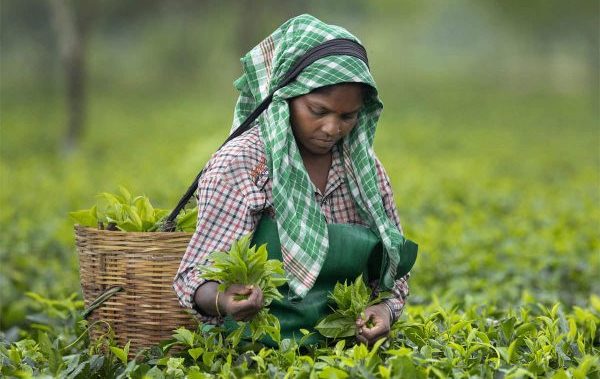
{"type": "Point", "coordinates": [378, 316]}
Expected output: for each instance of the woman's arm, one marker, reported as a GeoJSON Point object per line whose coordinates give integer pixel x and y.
{"type": "Point", "coordinates": [223, 217]}
{"type": "Point", "coordinates": [384, 314]}
{"type": "Point", "coordinates": [400, 291]}
{"type": "Point", "coordinates": [228, 303]}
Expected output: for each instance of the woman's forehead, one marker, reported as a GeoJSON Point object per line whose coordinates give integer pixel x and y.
{"type": "Point", "coordinates": [345, 99]}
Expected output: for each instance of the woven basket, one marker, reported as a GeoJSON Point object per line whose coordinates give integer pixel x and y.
{"type": "Point", "coordinates": [146, 310]}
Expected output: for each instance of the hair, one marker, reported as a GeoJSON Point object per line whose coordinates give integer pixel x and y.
{"type": "Point", "coordinates": [366, 89]}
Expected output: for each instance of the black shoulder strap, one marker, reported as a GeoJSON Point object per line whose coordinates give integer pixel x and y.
{"type": "Point", "coordinates": [338, 46]}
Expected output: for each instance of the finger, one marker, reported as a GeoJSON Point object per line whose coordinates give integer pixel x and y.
{"type": "Point", "coordinates": [373, 340]}
{"type": "Point", "coordinates": [244, 291]}
{"type": "Point", "coordinates": [375, 333]}
{"type": "Point", "coordinates": [372, 333]}
{"type": "Point", "coordinates": [251, 304]}
{"type": "Point", "coordinates": [368, 314]}
{"type": "Point", "coordinates": [236, 293]}
{"type": "Point", "coordinates": [257, 299]}
{"type": "Point", "coordinates": [361, 339]}
{"type": "Point", "coordinates": [241, 317]}
{"type": "Point", "coordinates": [235, 288]}
{"type": "Point", "coordinates": [245, 309]}
{"type": "Point", "coordinates": [260, 298]}
{"type": "Point", "coordinates": [359, 323]}
{"type": "Point", "coordinates": [245, 312]}
{"type": "Point", "coordinates": [238, 307]}
{"type": "Point", "coordinates": [246, 315]}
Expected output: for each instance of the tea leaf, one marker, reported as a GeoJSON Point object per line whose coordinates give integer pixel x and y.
{"type": "Point", "coordinates": [248, 266]}
{"type": "Point", "coordinates": [351, 301]}
{"type": "Point", "coordinates": [337, 326]}
{"type": "Point", "coordinates": [85, 217]}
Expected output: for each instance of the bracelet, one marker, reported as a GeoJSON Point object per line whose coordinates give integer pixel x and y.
{"type": "Point", "coordinates": [389, 307]}
{"type": "Point", "coordinates": [217, 304]}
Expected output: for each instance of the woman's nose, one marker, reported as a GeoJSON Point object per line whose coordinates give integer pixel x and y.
{"type": "Point", "coordinates": [331, 128]}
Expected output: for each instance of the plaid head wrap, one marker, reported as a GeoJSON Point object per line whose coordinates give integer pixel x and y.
{"type": "Point", "coordinates": [301, 225]}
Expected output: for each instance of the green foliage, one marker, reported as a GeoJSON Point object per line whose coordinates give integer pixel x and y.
{"type": "Point", "coordinates": [431, 341]}
{"type": "Point", "coordinates": [249, 266]}
{"type": "Point", "coordinates": [493, 162]}
{"type": "Point", "coordinates": [351, 301]}
{"type": "Point", "coordinates": [124, 212]}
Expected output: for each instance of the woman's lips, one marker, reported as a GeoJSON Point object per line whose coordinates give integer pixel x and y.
{"type": "Point", "coordinates": [325, 142]}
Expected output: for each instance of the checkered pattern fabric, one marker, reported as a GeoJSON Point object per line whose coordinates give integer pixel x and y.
{"type": "Point", "coordinates": [236, 191]}
{"type": "Point", "coordinates": [302, 229]}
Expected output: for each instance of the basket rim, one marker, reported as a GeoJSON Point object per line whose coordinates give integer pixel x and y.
{"type": "Point", "coordinates": [116, 233]}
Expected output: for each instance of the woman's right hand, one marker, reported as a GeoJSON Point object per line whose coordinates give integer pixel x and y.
{"type": "Point", "coordinates": [241, 302]}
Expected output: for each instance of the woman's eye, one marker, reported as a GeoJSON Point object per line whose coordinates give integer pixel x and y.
{"type": "Point", "coordinates": [349, 117]}
{"type": "Point", "coordinates": [318, 112]}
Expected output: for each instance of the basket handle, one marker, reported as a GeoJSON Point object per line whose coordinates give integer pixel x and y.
{"type": "Point", "coordinates": [100, 300]}
{"type": "Point", "coordinates": [336, 46]}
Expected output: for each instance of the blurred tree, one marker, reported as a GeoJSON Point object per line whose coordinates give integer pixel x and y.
{"type": "Point", "coordinates": [258, 19]}
{"type": "Point", "coordinates": [70, 23]}
{"type": "Point", "coordinates": [548, 22]}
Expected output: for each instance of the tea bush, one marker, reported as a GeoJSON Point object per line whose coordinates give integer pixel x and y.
{"type": "Point", "coordinates": [500, 192]}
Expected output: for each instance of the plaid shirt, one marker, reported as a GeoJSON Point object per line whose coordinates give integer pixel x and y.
{"type": "Point", "coordinates": [235, 191]}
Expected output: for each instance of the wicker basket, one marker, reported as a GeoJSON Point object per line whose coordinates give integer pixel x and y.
{"type": "Point", "coordinates": [146, 311]}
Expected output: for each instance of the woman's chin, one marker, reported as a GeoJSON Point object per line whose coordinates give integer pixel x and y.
{"type": "Point", "coordinates": [316, 148]}
{"type": "Point", "coordinates": [323, 145]}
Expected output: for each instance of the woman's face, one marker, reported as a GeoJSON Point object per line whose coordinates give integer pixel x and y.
{"type": "Point", "coordinates": [321, 118]}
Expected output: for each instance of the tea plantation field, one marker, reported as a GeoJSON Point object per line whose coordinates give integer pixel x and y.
{"type": "Point", "coordinates": [500, 189]}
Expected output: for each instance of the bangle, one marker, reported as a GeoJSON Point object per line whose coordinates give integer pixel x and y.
{"type": "Point", "coordinates": [217, 304]}
{"type": "Point", "coordinates": [389, 307]}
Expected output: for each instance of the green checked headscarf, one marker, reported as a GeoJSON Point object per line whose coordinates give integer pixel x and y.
{"type": "Point", "coordinates": [301, 225]}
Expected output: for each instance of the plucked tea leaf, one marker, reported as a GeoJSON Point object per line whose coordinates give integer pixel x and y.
{"type": "Point", "coordinates": [85, 217]}
{"type": "Point", "coordinates": [351, 301]}
{"type": "Point", "coordinates": [125, 195]}
{"type": "Point", "coordinates": [336, 326]}
{"type": "Point", "coordinates": [186, 222]}
{"type": "Point", "coordinates": [248, 265]}
{"type": "Point", "coordinates": [145, 209]}
{"type": "Point", "coordinates": [130, 214]}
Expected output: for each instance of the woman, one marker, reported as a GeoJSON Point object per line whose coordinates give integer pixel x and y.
{"type": "Point", "coordinates": [305, 180]}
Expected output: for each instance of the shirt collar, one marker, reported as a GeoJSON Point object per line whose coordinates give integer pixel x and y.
{"type": "Point", "coordinates": [336, 172]}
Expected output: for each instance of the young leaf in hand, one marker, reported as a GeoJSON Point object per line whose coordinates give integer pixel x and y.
{"type": "Point", "coordinates": [249, 266]}
{"type": "Point", "coordinates": [351, 302]}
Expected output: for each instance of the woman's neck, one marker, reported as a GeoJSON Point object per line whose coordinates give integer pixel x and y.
{"type": "Point", "coordinates": [317, 167]}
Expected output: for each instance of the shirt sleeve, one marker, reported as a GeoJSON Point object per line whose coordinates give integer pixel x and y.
{"type": "Point", "coordinates": [400, 289]}
{"type": "Point", "coordinates": [223, 217]}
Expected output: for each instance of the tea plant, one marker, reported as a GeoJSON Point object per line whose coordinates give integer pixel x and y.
{"type": "Point", "coordinates": [433, 341]}
{"type": "Point", "coordinates": [500, 188]}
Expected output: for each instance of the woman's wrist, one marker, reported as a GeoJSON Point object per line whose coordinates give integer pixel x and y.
{"type": "Point", "coordinates": [388, 307]}
{"type": "Point", "coordinates": [207, 299]}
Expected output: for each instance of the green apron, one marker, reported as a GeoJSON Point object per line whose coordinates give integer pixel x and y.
{"type": "Point", "coordinates": [353, 250]}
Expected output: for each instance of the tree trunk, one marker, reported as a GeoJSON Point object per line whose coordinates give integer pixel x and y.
{"type": "Point", "coordinates": [71, 42]}
{"type": "Point", "coordinates": [593, 63]}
